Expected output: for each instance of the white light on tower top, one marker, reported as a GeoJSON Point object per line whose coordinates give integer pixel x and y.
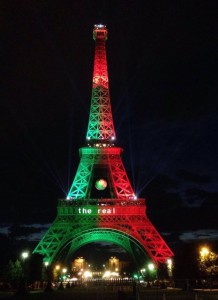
{"type": "Point", "coordinates": [100, 26]}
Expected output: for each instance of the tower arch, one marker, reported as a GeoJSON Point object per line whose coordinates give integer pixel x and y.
{"type": "Point", "coordinates": [116, 237]}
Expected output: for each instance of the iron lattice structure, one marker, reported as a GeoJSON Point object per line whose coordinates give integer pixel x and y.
{"type": "Point", "coordinates": [108, 161]}
{"type": "Point", "coordinates": [101, 126]}
{"type": "Point", "coordinates": [101, 204]}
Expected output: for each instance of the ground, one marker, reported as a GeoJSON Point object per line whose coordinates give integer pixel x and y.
{"type": "Point", "coordinates": [115, 293]}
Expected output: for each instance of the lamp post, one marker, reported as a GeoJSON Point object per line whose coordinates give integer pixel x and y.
{"type": "Point", "coordinates": [170, 270]}
{"type": "Point", "coordinates": [48, 286]}
{"type": "Point", "coordinates": [62, 277]}
{"type": "Point", "coordinates": [152, 272]}
{"type": "Point", "coordinates": [204, 257]}
{"type": "Point", "coordinates": [56, 274]}
{"type": "Point", "coordinates": [64, 271]}
{"type": "Point", "coordinates": [24, 256]}
{"type": "Point", "coordinates": [22, 290]}
{"type": "Point", "coordinates": [170, 267]}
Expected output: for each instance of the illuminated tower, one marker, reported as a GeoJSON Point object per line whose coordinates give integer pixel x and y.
{"type": "Point", "coordinates": [101, 204]}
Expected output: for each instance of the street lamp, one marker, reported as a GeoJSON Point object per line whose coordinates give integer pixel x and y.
{"type": "Point", "coordinates": [170, 267]}
{"type": "Point", "coordinates": [151, 266]}
{"type": "Point", "coordinates": [57, 267]}
{"type": "Point", "coordinates": [46, 263]}
{"type": "Point", "coordinates": [24, 255]}
{"type": "Point", "coordinates": [204, 251]}
{"type": "Point", "coordinates": [143, 272]}
{"type": "Point", "coordinates": [56, 272]}
{"type": "Point", "coordinates": [152, 272]}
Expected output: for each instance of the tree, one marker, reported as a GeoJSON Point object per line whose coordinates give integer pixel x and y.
{"type": "Point", "coordinates": [14, 272]}
{"type": "Point", "coordinates": [208, 262]}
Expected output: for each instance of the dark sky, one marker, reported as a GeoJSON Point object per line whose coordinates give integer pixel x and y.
{"type": "Point", "coordinates": [162, 63]}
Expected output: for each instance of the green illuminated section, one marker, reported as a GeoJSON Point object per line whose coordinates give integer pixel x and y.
{"type": "Point", "coordinates": [79, 188]}
{"type": "Point", "coordinates": [100, 125]}
{"type": "Point", "coordinates": [112, 236]}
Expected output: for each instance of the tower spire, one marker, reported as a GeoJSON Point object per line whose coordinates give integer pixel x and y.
{"type": "Point", "coordinates": [100, 126]}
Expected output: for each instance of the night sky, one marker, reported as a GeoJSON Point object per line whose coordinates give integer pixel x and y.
{"type": "Point", "coordinates": [162, 64]}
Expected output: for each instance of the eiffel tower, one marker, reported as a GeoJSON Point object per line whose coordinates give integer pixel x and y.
{"type": "Point", "coordinates": [101, 204]}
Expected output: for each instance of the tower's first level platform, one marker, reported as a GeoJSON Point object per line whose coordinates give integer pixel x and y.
{"type": "Point", "coordinates": [101, 207]}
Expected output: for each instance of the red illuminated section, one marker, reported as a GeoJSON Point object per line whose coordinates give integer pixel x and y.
{"type": "Point", "coordinates": [130, 218]}
{"type": "Point", "coordinates": [100, 74]}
